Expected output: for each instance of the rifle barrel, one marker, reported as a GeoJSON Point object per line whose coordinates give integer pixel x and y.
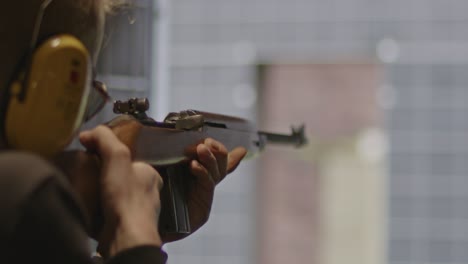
{"type": "Point", "coordinates": [297, 137]}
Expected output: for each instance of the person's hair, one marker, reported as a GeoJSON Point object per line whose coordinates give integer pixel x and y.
{"type": "Point", "coordinates": [112, 6]}
{"type": "Point", "coordinates": [82, 18]}
{"type": "Point", "coordinates": [109, 6]}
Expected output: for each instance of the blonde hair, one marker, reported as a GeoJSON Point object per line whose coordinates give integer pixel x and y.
{"type": "Point", "coordinates": [81, 18]}
{"type": "Point", "coordinates": [108, 6]}
{"type": "Point", "coordinates": [112, 6]}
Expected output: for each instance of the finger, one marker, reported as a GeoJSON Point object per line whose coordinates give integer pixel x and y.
{"type": "Point", "coordinates": [105, 142]}
{"type": "Point", "coordinates": [86, 139]}
{"type": "Point", "coordinates": [221, 154]}
{"type": "Point", "coordinates": [208, 160]}
{"type": "Point", "coordinates": [235, 157]}
{"type": "Point", "coordinates": [203, 176]}
{"type": "Point", "coordinates": [115, 156]}
{"type": "Point", "coordinates": [198, 170]}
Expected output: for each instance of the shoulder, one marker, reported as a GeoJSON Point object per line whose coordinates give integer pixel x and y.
{"type": "Point", "coordinates": [21, 174]}
{"type": "Point", "coordinates": [17, 163]}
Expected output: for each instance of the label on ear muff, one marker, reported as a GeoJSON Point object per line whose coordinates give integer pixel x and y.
{"type": "Point", "coordinates": [56, 90]}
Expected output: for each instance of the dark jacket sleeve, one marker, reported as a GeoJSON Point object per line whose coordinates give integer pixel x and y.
{"type": "Point", "coordinates": [51, 229]}
{"type": "Point", "coordinates": [142, 254]}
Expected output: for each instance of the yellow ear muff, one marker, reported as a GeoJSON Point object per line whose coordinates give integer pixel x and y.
{"type": "Point", "coordinates": [46, 108]}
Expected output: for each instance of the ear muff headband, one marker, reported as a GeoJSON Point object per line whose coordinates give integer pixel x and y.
{"type": "Point", "coordinates": [47, 103]}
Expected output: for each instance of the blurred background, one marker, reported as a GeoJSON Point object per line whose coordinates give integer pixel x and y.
{"type": "Point", "coordinates": [381, 86]}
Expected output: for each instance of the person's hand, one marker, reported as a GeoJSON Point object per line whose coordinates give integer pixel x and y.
{"type": "Point", "coordinates": [212, 165]}
{"type": "Point", "coordinates": [129, 194]}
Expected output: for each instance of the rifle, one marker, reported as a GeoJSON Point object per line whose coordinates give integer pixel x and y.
{"type": "Point", "coordinates": [169, 145]}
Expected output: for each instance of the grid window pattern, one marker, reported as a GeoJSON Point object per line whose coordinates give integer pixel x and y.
{"type": "Point", "coordinates": [124, 63]}
{"type": "Point", "coordinates": [424, 46]}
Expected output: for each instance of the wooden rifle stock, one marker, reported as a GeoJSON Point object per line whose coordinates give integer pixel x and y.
{"type": "Point", "coordinates": [170, 145]}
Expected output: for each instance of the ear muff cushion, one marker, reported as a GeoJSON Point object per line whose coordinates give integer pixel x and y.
{"type": "Point", "coordinates": [56, 90]}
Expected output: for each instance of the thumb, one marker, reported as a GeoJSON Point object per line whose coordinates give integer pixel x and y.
{"type": "Point", "coordinates": [101, 140]}
{"type": "Point", "coordinates": [235, 157]}
{"type": "Point", "coordinates": [87, 140]}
